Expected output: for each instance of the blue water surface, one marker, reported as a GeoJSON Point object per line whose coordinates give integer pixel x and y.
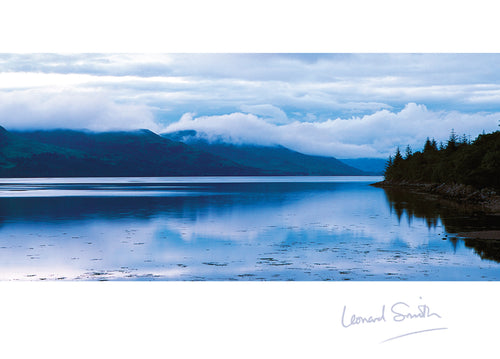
{"type": "Point", "coordinates": [234, 228]}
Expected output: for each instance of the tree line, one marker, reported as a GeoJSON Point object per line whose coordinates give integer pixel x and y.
{"type": "Point", "coordinates": [459, 160]}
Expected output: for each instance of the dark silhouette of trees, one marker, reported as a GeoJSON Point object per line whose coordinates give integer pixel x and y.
{"type": "Point", "coordinates": [452, 141]}
{"type": "Point", "coordinates": [408, 152]}
{"type": "Point", "coordinates": [474, 163]}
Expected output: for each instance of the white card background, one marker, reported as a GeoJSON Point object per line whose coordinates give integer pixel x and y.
{"type": "Point", "coordinates": [246, 320]}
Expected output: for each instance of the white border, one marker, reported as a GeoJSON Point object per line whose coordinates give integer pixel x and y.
{"type": "Point", "coordinates": [243, 320]}
{"type": "Point", "coordinates": [248, 26]}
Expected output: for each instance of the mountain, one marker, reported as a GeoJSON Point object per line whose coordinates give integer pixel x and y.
{"type": "Point", "coordinates": [68, 153]}
{"type": "Point", "coordinates": [375, 166]}
{"type": "Point", "coordinates": [270, 160]}
{"type": "Point", "coordinates": [16, 151]}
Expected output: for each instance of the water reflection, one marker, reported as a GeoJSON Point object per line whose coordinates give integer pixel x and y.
{"type": "Point", "coordinates": [223, 229]}
{"type": "Point", "coordinates": [455, 218]}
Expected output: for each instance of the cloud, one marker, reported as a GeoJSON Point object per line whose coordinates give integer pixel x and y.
{"type": "Point", "coordinates": [238, 128]}
{"type": "Point", "coordinates": [32, 109]}
{"type": "Point", "coordinates": [374, 135]}
{"type": "Point", "coordinates": [144, 65]}
{"type": "Point", "coordinates": [350, 83]}
{"type": "Point", "coordinates": [268, 85]}
{"type": "Point", "coordinates": [273, 113]}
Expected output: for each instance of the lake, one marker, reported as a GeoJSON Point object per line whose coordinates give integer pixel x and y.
{"type": "Point", "coordinates": [235, 228]}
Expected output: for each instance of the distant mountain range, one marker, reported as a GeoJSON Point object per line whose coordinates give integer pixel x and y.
{"type": "Point", "coordinates": [70, 153]}
{"type": "Point", "coordinates": [270, 160]}
{"type": "Point", "coordinates": [375, 166]}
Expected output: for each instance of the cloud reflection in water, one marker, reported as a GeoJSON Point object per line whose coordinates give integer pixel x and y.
{"type": "Point", "coordinates": [232, 231]}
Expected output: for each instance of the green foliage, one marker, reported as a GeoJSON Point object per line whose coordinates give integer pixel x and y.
{"type": "Point", "coordinates": [460, 161]}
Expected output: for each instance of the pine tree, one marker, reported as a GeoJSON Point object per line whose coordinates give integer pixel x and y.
{"type": "Point", "coordinates": [408, 152]}
{"type": "Point", "coordinates": [452, 141]}
{"type": "Point", "coordinates": [388, 166]}
{"type": "Point", "coordinates": [464, 139]}
{"type": "Point", "coordinates": [427, 146]}
{"type": "Point", "coordinates": [397, 157]}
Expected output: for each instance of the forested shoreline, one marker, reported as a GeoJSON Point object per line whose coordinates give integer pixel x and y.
{"type": "Point", "coordinates": [459, 161]}
{"type": "Point", "coordinates": [461, 170]}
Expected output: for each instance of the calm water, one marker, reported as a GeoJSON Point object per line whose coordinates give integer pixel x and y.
{"type": "Point", "coordinates": [245, 228]}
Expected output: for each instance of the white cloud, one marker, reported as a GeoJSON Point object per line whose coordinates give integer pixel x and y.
{"type": "Point", "coordinates": [273, 113]}
{"type": "Point", "coordinates": [30, 80]}
{"type": "Point", "coordinates": [374, 135]}
{"type": "Point", "coordinates": [321, 84]}
{"type": "Point", "coordinates": [32, 109]}
{"type": "Point", "coordinates": [236, 128]}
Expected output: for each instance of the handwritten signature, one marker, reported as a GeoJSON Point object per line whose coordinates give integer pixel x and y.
{"type": "Point", "coordinates": [399, 312]}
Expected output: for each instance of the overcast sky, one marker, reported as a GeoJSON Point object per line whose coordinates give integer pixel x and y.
{"type": "Point", "coordinates": [342, 105]}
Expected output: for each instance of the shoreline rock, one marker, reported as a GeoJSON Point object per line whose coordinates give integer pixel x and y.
{"type": "Point", "coordinates": [482, 235]}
